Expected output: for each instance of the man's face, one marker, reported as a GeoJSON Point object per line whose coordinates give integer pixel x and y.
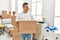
{"type": "Point", "coordinates": [25, 8]}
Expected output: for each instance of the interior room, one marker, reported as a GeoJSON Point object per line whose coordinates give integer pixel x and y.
{"type": "Point", "coordinates": [44, 26]}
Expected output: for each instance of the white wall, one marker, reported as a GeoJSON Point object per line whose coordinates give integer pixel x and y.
{"type": "Point", "coordinates": [16, 6]}
{"type": "Point", "coordinates": [9, 5]}
{"type": "Point", "coordinates": [4, 5]}
{"type": "Point", "coordinates": [49, 11]}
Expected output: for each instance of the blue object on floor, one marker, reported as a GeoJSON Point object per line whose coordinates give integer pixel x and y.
{"type": "Point", "coordinates": [51, 28]}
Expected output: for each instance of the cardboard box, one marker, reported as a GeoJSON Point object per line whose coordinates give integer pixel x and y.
{"type": "Point", "coordinates": [38, 32]}
{"type": "Point", "coordinates": [25, 27]}
{"type": "Point", "coordinates": [13, 20]}
{"type": "Point", "coordinates": [16, 37]}
{"type": "Point", "coordinates": [16, 34]}
{"type": "Point", "coordinates": [11, 32]}
{"type": "Point", "coordinates": [6, 15]}
{"type": "Point", "coordinates": [15, 31]}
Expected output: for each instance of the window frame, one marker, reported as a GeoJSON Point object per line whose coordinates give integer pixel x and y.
{"type": "Point", "coordinates": [36, 9]}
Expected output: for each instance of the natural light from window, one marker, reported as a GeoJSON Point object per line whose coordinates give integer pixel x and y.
{"type": "Point", "coordinates": [36, 8]}
{"type": "Point", "coordinates": [57, 14]}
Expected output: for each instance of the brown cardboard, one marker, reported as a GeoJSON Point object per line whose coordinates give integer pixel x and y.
{"type": "Point", "coordinates": [10, 32]}
{"type": "Point", "coordinates": [16, 34]}
{"type": "Point", "coordinates": [16, 37]}
{"type": "Point", "coordinates": [23, 27]}
{"type": "Point", "coordinates": [13, 20]}
{"type": "Point", "coordinates": [15, 31]}
{"type": "Point", "coordinates": [6, 15]}
{"type": "Point", "coordinates": [26, 27]}
{"type": "Point", "coordinates": [38, 32]}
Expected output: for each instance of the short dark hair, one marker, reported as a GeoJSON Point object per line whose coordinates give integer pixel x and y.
{"type": "Point", "coordinates": [25, 4]}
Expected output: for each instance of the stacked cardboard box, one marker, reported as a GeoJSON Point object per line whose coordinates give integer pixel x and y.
{"type": "Point", "coordinates": [5, 14]}
{"type": "Point", "coordinates": [16, 34]}
{"type": "Point", "coordinates": [39, 32]}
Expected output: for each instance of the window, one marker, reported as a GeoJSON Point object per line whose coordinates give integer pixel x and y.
{"type": "Point", "coordinates": [57, 14]}
{"type": "Point", "coordinates": [15, 4]}
{"type": "Point", "coordinates": [57, 22]}
{"type": "Point", "coordinates": [37, 9]}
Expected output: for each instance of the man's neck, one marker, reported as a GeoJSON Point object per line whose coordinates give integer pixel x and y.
{"type": "Point", "coordinates": [24, 12]}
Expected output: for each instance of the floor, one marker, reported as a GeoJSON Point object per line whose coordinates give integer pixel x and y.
{"type": "Point", "coordinates": [5, 36]}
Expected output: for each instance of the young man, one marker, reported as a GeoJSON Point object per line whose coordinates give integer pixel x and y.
{"type": "Point", "coordinates": [24, 16]}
